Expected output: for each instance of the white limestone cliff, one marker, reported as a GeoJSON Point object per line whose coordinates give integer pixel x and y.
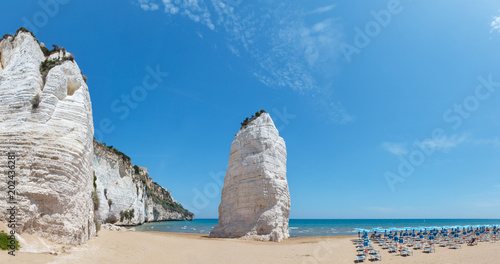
{"type": "Point", "coordinates": [255, 202]}
{"type": "Point", "coordinates": [123, 189]}
{"type": "Point", "coordinates": [46, 120]}
{"type": "Point", "coordinates": [51, 138]}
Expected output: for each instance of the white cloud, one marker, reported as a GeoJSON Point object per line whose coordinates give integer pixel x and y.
{"type": "Point", "coordinates": [195, 10]}
{"type": "Point", "coordinates": [148, 5]}
{"type": "Point", "coordinates": [443, 144]}
{"type": "Point", "coordinates": [495, 24]}
{"type": "Point", "coordinates": [319, 41]}
{"type": "Point", "coordinates": [323, 9]}
{"type": "Point", "coordinates": [234, 50]}
{"type": "Point", "coordinates": [282, 48]}
{"type": "Point", "coordinates": [397, 149]}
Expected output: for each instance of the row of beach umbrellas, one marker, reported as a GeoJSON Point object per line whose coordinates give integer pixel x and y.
{"type": "Point", "coordinates": [427, 228]}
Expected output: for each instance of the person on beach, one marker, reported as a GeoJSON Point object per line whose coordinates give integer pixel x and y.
{"type": "Point", "coordinates": [472, 242]}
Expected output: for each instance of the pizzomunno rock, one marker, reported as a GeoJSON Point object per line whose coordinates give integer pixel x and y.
{"type": "Point", "coordinates": [255, 201]}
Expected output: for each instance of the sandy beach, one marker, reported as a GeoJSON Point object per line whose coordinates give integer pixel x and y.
{"type": "Point", "coordinates": [160, 247]}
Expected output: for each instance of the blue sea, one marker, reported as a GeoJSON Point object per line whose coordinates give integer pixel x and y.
{"type": "Point", "coordinates": [317, 227]}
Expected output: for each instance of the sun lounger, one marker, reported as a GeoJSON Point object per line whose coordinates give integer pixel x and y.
{"type": "Point", "coordinates": [406, 252]}
{"type": "Point", "coordinates": [360, 258]}
{"type": "Point", "coordinates": [392, 249]}
{"type": "Point", "coordinates": [455, 246]}
{"type": "Point", "coordinates": [429, 249]}
{"type": "Point", "coordinates": [417, 246]}
{"type": "Point", "coordinates": [376, 257]}
{"type": "Point", "coordinates": [443, 244]}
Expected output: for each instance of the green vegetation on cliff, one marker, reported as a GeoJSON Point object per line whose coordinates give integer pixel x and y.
{"type": "Point", "coordinates": [163, 197]}
{"type": "Point", "coordinates": [116, 151]}
{"type": "Point", "coordinates": [253, 117]}
{"type": "Point", "coordinates": [5, 241]}
{"type": "Point", "coordinates": [158, 194]}
{"type": "Point", "coordinates": [129, 214]}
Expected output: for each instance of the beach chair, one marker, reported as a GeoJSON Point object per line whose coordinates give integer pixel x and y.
{"type": "Point", "coordinates": [429, 249]}
{"type": "Point", "coordinates": [417, 246]}
{"type": "Point", "coordinates": [392, 249]}
{"type": "Point", "coordinates": [360, 258]}
{"type": "Point", "coordinates": [376, 257]}
{"type": "Point", "coordinates": [443, 244]}
{"type": "Point", "coordinates": [406, 252]}
{"type": "Point", "coordinates": [454, 246]}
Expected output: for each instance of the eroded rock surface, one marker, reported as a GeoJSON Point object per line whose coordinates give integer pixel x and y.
{"type": "Point", "coordinates": [127, 195]}
{"type": "Point", "coordinates": [47, 123]}
{"type": "Point", "coordinates": [255, 202]}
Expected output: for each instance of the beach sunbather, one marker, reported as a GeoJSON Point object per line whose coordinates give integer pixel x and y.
{"type": "Point", "coordinates": [472, 242]}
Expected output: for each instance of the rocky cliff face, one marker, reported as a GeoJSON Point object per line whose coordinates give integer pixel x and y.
{"type": "Point", "coordinates": [127, 195]}
{"type": "Point", "coordinates": [46, 120]}
{"type": "Point", "coordinates": [255, 201]}
{"type": "Point", "coordinates": [65, 182]}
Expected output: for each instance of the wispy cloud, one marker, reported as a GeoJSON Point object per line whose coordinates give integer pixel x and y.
{"type": "Point", "coordinates": [323, 9]}
{"type": "Point", "coordinates": [196, 10]}
{"type": "Point", "coordinates": [148, 5]}
{"type": "Point", "coordinates": [495, 24]}
{"type": "Point", "coordinates": [234, 50]}
{"type": "Point", "coordinates": [284, 50]}
{"type": "Point", "coordinates": [443, 144]}
{"type": "Point", "coordinates": [397, 149]}
{"type": "Point", "coordinates": [488, 142]}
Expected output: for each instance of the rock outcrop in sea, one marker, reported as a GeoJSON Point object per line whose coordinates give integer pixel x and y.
{"type": "Point", "coordinates": [66, 183]}
{"type": "Point", "coordinates": [255, 202]}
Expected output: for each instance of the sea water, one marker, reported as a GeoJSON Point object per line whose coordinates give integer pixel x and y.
{"type": "Point", "coordinates": [317, 227]}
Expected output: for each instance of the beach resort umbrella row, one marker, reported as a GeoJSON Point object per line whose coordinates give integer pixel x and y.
{"type": "Point", "coordinates": [444, 229]}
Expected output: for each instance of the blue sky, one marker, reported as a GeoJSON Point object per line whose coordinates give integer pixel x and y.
{"type": "Point", "coordinates": [389, 109]}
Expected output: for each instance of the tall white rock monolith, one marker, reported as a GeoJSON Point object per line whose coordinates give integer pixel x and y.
{"type": "Point", "coordinates": [255, 201]}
